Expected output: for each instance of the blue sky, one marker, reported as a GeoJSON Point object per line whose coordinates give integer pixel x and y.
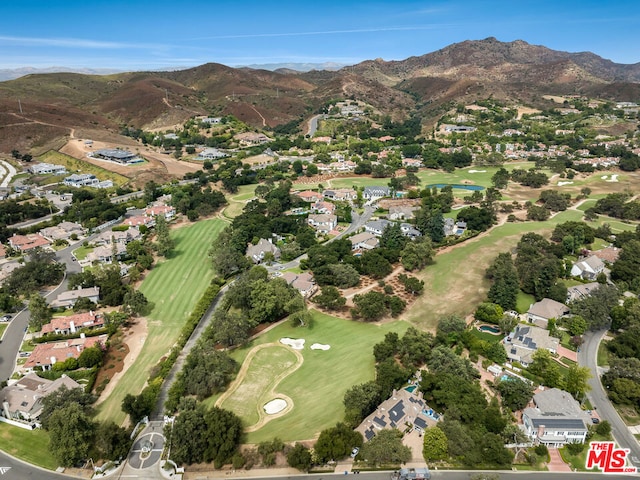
{"type": "Point", "coordinates": [144, 35]}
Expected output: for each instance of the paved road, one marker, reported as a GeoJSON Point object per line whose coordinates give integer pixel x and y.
{"type": "Point", "coordinates": [19, 470]}
{"type": "Point", "coordinates": [588, 357]}
{"type": "Point", "coordinates": [313, 125]}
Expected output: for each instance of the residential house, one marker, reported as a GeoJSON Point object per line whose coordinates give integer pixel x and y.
{"type": "Point", "coordinates": [323, 207]}
{"type": "Point", "coordinates": [47, 168]}
{"type": "Point", "coordinates": [117, 155]}
{"type": "Point", "coordinates": [555, 419]}
{"type": "Point", "coordinates": [303, 282]}
{"type": "Point", "coordinates": [608, 254]}
{"type": "Point", "coordinates": [3, 252]}
{"type": "Point", "coordinates": [45, 355]}
{"type": "Point", "coordinates": [340, 194]}
{"type": "Point", "coordinates": [211, 154]}
{"type": "Point", "coordinates": [252, 138]}
{"type": "Point", "coordinates": [257, 252]}
{"type": "Point", "coordinates": [364, 241]}
{"type": "Point", "coordinates": [117, 236]}
{"type": "Point", "coordinates": [541, 312]}
{"type": "Point", "coordinates": [138, 220]}
{"type": "Point", "coordinates": [375, 192]}
{"type": "Point", "coordinates": [410, 231]}
{"type": "Point", "coordinates": [70, 297]}
{"type": "Point", "coordinates": [412, 162]}
{"type": "Point", "coordinates": [578, 292]}
{"type": "Point", "coordinates": [377, 227]}
{"type": "Point", "coordinates": [322, 222]}
{"type": "Point", "coordinates": [525, 340]}
{"type": "Point", "coordinates": [309, 196]}
{"type": "Point", "coordinates": [402, 409]}
{"type": "Point", "coordinates": [588, 268]}
{"type": "Point", "coordinates": [22, 400]}
{"type": "Point", "coordinates": [104, 253]}
{"type": "Point", "coordinates": [24, 243]}
{"type": "Point", "coordinates": [81, 180]}
{"type": "Point", "coordinates": [451, 227]}
{"type": "Point", "coordinates": [73, 323]}
{"type": "Point", "coordinates": [211, 120]}
{"type": "Point", "coordinates": [63, 231]}
{"type": "Point", "coordinates": [166, 210]}
{"type": "Point", "coordinates": [402, 212]}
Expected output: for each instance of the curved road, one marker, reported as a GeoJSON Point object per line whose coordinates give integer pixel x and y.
{"type": "Point", "coordinates": [588, 356]}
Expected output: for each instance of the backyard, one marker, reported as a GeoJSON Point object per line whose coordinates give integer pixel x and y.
{"type": "Point", "coordinates": [173, 286]}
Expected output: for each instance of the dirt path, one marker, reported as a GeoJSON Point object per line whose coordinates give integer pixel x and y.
{"type": "Point", "coordinates": [264, 418]}
{"type": "Point", "coordinates": [264, 121]}
{"type": "Point", "coordinates": [134, 338]}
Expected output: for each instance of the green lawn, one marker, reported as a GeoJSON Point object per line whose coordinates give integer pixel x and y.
{"type": "Point", "coordinates": [318, 386]}
{"type": "Point", "coordinates": [31, 446]}
{"type": "Point", "coordinates": [603, 355]}
{"type": "Point", "coordinates": [524, 301]}
{"type": "Point", "coordinates": [3, 327]}
{"type": "Point", "coordinates": [82, 252]}
{"type": "Point", "coordinates": [173, 286]}
{"type": "Point", "coordinates": [239, 200]}
{"type": "Point", "coordinates": [486, 336]}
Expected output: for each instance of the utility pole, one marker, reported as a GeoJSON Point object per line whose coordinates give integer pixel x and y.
{"type": "Point", "coordinates": [20, 106]}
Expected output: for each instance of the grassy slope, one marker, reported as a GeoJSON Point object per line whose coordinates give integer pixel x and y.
{"type": "Point", "coordinates": [174, 286]}
{"type": "Point", "coordinates": [31, 446]}
{"type": "Point", "coordinates": [455, 283]}
{"type": "Point", "coordinates": [318, 386]}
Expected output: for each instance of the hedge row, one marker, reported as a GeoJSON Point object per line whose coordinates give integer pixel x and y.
{"type": "Point", "coordinates": [164, 366]}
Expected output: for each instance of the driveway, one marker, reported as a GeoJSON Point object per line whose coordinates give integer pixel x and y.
{"type": "Point", "coordinates": [556, 464]}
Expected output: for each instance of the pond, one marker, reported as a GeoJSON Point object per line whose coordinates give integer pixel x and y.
{"type": "Point", "coordinates": [456, 185]}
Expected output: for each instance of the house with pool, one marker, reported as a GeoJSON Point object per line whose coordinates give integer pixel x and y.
{"type": "Point", "coordinates": [525, 340]}
{"type": "Point", "coordinates": [405, 409]}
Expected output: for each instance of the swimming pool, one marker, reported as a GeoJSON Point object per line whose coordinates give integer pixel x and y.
{"type": "Point", "coordinates": [489, 329]}
{"type": "Point", "coordinates": [411, 388]}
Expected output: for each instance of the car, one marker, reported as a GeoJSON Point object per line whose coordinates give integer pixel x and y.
{"type": "Point", "coordinates": [5, 318]}
{"type": "Point", "coordinates": [595, 421]}
{"type": "Point", "coordinates": [354, 452]}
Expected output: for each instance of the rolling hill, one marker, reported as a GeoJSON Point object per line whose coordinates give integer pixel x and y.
{"type": "Point", "coordinates": [54, 103]}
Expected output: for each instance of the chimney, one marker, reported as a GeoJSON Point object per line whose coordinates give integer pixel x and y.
{"type": "Point", "coordinates": [72, 326]}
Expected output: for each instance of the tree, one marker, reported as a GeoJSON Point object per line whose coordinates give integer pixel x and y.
{"type": "Point", "coordinates": [370, 306]}
{"type": "Point", "coordinates": [40, 312]}
{"type": "Point", "coordinates": [360, 400]}
{"type": "Point", "coordinates": [577, 325]}
{"type": "Point", "coordinates": [299, 457]}
{"type": "Point", "coordinates": [507, 323]}
{"type": "Point", "coordinates": [627, 267]}
{"type": "Point", "coordinates": [63, 397]}
{"type": "Point", "coordinates": [71, 434]}
{"type": "Point", "coordinates": [164, 243]}
{"type": "Point", "coordinates": [111, 441]}
{"type": "Point", "coordinates": [434, 445]}
{"type": "Point", "coordinates": [577, 381]}
{"type": "Point", "coordinates": [135, 303]}
{"type": "Point", "coordinates": [505, 287]}
{"type": "Point", "coordinates": [515, 393]}
{"type": "Point", "coordinates": [344, 275]}
{"type": "Point", "coordinates": [336, 443]}
{"type": "Point", "coordinates": [386, 448]}
{"type": "Point", "coordinates": [489, 312]}
{"type": "Point", "coordinates": [596, 308]}
{"type": "Point", "coordinates": [546, 368]}
{"type": "Point", "coordinates": [417, 254]}
{"type": "Point", "coordinates": [375, 265]}
{"type": "Point", "coordinates": [231, 328]}
{"type": "Point", "coordinates": [330, 298]}
{"type": "Point", "coordinates": [450, 329]}
{"type": "Point", "coordinates": [90, 357]}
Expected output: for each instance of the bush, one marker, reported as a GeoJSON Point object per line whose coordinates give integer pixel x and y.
{"type": "Point", "coordinates": [541, 450]}
{"type": "Point", "coordinates": [603, 428]}
{"type": "Point", "coordinates": [575, 448]}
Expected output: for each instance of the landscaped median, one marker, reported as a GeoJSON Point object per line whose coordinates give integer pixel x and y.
{"type": "Point", "coordinates": [174, 286]}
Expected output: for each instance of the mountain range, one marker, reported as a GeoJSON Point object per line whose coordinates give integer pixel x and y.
{"type": "Point", "coordinates": [38, 110]}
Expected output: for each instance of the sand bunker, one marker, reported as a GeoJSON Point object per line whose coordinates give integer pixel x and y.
{"type": "Point", "coordinates": [604, 177]}
{"type": "Point", "coordinates": [477, 171]}
{"type": "Point", "coordinates": [275, 406]}
{"type": "Point", "coordinates": [562, 184]}
{"type": "Point", "coordinates": [320, 346]}
{"type": "Point", "coordinates": [295, 343]}
{"type": "Point", "coordinates": [614, 178]}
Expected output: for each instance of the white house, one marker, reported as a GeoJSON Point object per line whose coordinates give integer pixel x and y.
{"type": "Point", "coordinates": [555, 419]}
{"type": "Point", "coordinates": [588, 269]}
{"type": "Point", "coordinates": [70, 297]}
{"type": "Point", "coordinates": [375, 192]}
{"type": "Point", "coordinates": [364, 241]}
{"type": "Point", "coordinates": [81, 180]}
{"type": "Point", "coordinates": [377, 227]}
{"type": "Point", "coordinates": [322, 222]}
{"type": "Point", "coordinates": [47, 168]}
{"type": "Point", "coordinates": [211, 154]}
